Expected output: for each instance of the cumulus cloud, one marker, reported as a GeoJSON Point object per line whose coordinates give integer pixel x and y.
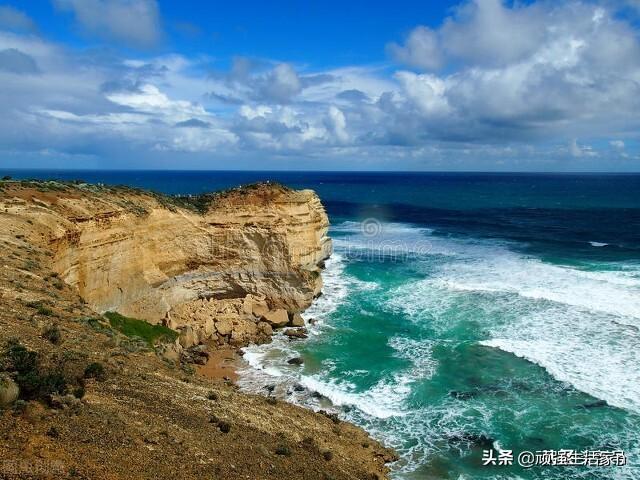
{"type": "Point", "coordinates": [421, 49]}
{"type": "Point", "coordinates": [260, 81]}
{"type": "Point", "coordinates": [522, 85]}
{"type": "Point", "coordinates": [132, 22]}
{"type": "Point", "coordinates": [527, 71]}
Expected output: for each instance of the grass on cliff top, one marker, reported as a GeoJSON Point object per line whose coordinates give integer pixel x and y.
{"type": "Point", "coordinates": [198, 203]}
{"type": "Point", "coordinates": [132, 327]}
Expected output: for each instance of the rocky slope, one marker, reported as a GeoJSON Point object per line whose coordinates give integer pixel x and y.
{"type": "Point", "coordinates": [94, 403]}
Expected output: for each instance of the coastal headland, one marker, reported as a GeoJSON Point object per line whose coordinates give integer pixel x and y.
{"type": "Point", "coordinates": [112, 297]}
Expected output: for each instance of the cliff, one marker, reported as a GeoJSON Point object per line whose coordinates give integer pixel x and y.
{"type": "Point", "coordinates": [227, 267]}
{"type": "Point", "coordinates": [81, 397]}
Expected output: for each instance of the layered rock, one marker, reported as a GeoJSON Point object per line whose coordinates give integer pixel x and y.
{"type": "Point", "coordinates": [243, 265]}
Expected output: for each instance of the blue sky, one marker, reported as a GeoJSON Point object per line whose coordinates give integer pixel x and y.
{"type": "Point", "coordinates": [473, 85]}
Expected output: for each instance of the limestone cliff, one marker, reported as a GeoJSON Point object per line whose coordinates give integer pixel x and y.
{"type": "Point", "coordinates": [228, 266]}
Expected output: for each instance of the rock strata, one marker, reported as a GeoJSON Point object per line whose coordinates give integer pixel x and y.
{"type": "Point", "coordinates": [247, 263]}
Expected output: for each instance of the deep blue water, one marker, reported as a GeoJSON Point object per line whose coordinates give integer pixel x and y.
{"type": "Point", "coordinates": [464, 310]}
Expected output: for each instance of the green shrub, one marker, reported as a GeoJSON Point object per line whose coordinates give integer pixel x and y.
{"type": "Point", "coordinates": [132, 327]}
{"type": "Point", "coordinates": [17, 358]}
{"type": "Point", "coordinates": [53, 334]}
{"type": "Point", "coordinates": [40, 308]}
{"type": "Point", "coordinates": [283, 450]}
{"type": "Point", "coordinates": [95, 370]}
{"type": "Point", "coordinates": [34, 382]}
{"type": "Point", "coordinates": [35, 385]}
{"type": "Point", "coordinates": [46, 311]}
{"type": "Point", "coordinates": [79, 392]}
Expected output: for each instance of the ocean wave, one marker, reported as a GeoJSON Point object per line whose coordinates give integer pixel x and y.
{"type": "Point", "coordinates": [592, 354]}
{"type": "Point", "coordinates": [501, 271]}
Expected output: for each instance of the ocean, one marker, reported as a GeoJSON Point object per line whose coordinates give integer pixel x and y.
{"type": "Point", "coordinates": [462, 312]}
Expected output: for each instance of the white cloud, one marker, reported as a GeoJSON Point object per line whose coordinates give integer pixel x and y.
{"type": "Point", "coordinates": [421, 49]}
{"type": "Point", "coordinates": [337, 124]}
{"type": "Point", "coordinates": [578, 151]}
{"type": "Point", "coordinates": [573, 72]}
{"type": "Point", "coordinates": [133, 22]}
{"type": "Point", "coordinates": [281, 84]}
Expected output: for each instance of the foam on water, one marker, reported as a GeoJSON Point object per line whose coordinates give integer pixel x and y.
{"type": "Point", "coordinates": [580, 326]}
{"type": "Point", "coordinates": [595, 355]}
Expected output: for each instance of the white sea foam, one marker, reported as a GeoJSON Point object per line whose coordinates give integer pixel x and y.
{"type": "Point", "coordinates": [598, 244]}
{"type": "Point", "coordinates": [389, 239]}
{"type": "Point", "coordinates": [594, 355]}
{"type": "Point", "coordinates": [492, 269]}
{"type": "Point", "coordinates": [574, 323]}
{"type": "Point", "coordinates": [383, 400]}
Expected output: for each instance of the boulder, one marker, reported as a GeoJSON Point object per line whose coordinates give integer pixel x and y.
{"type": "Point", "coordinates": [295, 361]}
{"type": "Point", "coordinates": [171, 352]}
{"type": "Point", "coordinates": [255, 306]}
{"type": "Point", "coordinates": [265, 328]}
{"type": "Point", "coordinates": [296, 333]}
{"type": "Point", "coordinates": [9, 391]}
{"type": "Point", "coordinates": [197, 355]}
{"type": "Point", "coordinates": [188, 337]}
{"type": "Point", "coordinates": [259, 309]}
{"type": "Point", "coordinates": [224, 326]}
{"type": "Point", "coordinates": [209, 327]}
{"type": "Point", "coordinates": [297, 320]}
{"type": "Point", "coordinates": [276, 318]}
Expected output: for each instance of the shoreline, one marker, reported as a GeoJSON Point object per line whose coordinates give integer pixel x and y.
{"type": "Point", "coordinates": [151, 411]}
{"type": "Point", "coordinates": [222, 364]}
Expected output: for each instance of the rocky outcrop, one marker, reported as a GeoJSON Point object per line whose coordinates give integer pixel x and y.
{"type": "Point", "coordinates": [245, 263]}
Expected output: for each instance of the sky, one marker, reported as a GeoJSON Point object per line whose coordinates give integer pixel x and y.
{"type": "Point", "coordinates": [473, 85]}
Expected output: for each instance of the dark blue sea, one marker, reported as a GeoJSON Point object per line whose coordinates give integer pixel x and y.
{"type": "Point", "coordinates": [463, 312]}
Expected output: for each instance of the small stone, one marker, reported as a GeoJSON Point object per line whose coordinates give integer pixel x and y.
{"type": "Point", "coordinates": [328, 456]}
{"type": "Point", "coordinates": [53, 432]}
{"type": "Point", "coordinates": [212, 396]}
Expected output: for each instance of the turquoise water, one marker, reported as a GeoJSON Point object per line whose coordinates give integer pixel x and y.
{"type": "Point", "coordinates": [463, 312]}
{"type": "Point", "coordinates": [434, 350]}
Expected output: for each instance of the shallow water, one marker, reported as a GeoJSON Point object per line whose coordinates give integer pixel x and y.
{"type": "Point", "coordinates": [466, 311]}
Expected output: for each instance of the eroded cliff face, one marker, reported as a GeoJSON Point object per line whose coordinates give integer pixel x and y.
{"type": "Point", "coordinates": [231, 272]}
